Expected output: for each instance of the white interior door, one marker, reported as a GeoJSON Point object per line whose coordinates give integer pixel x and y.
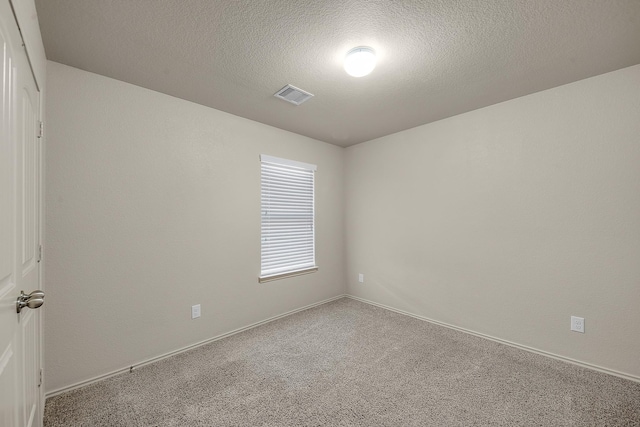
{"type": "Point", "coordinates": [20, 397]}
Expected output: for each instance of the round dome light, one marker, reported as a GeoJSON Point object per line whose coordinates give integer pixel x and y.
{"type": "Point", "coordinates": [360, 61]}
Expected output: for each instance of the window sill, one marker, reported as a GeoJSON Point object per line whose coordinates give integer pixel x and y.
{"type": "Point", "coordinates": [279, 276]}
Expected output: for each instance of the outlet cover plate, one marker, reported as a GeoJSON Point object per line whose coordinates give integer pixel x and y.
{"type": "Point", "coordinates": [577, 324]}
{"type": "Point", "coordinates": [361, 278]}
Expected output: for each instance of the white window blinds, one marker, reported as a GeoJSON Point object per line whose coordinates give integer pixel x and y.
{"type": "Point", "coordinates": [288, 235]}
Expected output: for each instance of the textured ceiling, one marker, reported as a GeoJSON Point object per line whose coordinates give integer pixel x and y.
{"type": "Point", "coordinates": [436, 58]}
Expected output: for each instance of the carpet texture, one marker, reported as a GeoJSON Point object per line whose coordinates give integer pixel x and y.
{"type": "Point", "coordinates": [347, 363]}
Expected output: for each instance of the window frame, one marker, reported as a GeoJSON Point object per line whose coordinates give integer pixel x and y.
{"type": "Point", "coordinates": [294, 167]}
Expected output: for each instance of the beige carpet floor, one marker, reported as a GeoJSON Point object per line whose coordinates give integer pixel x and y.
{"type": "Point", "coordinates": [347, 363]}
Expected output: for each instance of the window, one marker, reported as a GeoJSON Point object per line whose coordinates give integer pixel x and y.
{"type": "Point", "coordinates": [288, 232]}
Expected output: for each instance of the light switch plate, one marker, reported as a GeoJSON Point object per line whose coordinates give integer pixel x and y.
{"type": "Point", "coordinates": [195, 311]}
{"type": "Point", "coordinates": [361, 278]}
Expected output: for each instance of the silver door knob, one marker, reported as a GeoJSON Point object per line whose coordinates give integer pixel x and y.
{"type": "Point", "coordinates": [33, 300]}
{"type": "Point", "coordinates": [36, 294]}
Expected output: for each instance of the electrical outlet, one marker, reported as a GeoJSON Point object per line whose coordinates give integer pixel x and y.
{"type": "Point", "coordinates": [577, 324]}
{"type": "Point", "coordinates": [195, 311]}
{"type": "Point", "coordinates": [361, 278]}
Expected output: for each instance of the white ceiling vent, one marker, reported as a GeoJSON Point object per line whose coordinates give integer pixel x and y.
{"type": "Point", "coordinates": [293, 95]}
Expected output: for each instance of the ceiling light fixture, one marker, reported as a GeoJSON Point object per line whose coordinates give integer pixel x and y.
{"type": "Point", "coordinates": [360, 61]}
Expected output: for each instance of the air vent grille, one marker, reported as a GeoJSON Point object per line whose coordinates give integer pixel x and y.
{"type": "Point", "coordinates": [293, 95]}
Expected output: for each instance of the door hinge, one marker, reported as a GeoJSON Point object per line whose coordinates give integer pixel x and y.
{"type": "Point", "coordinates": [41, 130]}
{"type": "Point", "coordinates": [40, 378]}
{"type": "Point", "coordinates": [40, 253]}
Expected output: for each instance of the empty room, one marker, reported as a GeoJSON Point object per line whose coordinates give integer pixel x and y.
{"type": "Point", "coordinates": [320, 213]}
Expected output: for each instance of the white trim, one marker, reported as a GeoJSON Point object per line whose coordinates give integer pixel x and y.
{"type": "Point", "coordinates": [506, 342]}
{"type": "Point", "coordinates": [183, 349]}
{"type": "Point", "coordinates": [26, 18]}
{"type": "Point", "coordinates": [386, 307]}
{"type": "Point", "coordinates": [278, 276]}
{"type": "Point", "coordinates": [280, 161]}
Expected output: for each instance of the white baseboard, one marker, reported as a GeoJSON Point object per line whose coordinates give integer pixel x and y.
{"type": "Point", "coordinates": [386, 307]}
{"type": "Point", "coordinates": [506, 342]}
{"type": "Point", "coordinates": [183, 349]}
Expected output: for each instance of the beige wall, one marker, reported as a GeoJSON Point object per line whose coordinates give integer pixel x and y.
{"type": "Point", "coordinates": [509, 219]}
{"type": "Point", "coordinates": [153, 205]}
{"type": "Point", "coordinates": [505, 221]}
